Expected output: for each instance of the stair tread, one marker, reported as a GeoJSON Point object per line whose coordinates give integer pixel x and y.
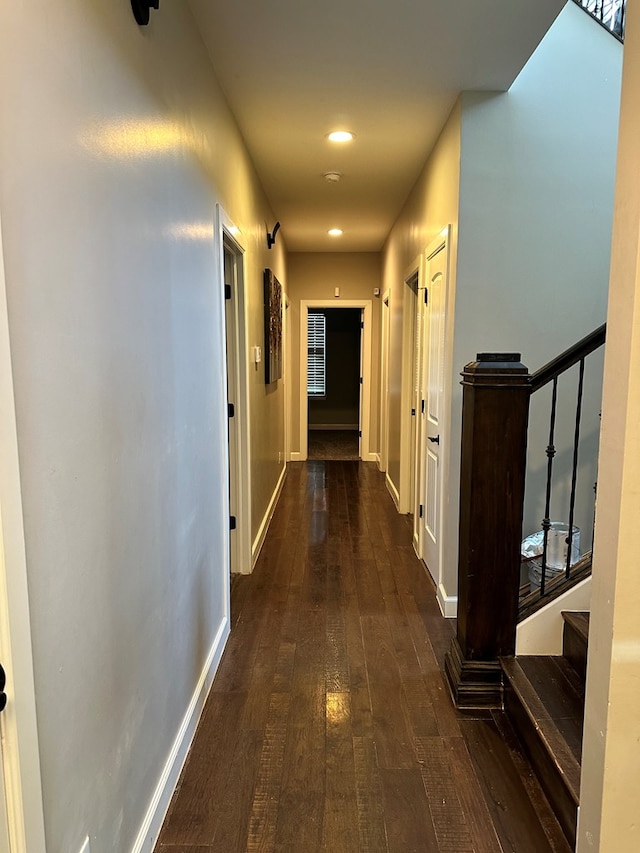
{"type": "Point", "coordinates": [579, 621]}
{"type": "Point", "coordinates": [552, 696]}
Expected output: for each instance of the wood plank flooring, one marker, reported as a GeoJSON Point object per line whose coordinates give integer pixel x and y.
{"type": "Point", "coordinates": [333, 444]}
{"type": "Point", "coordinates": [329, 726]}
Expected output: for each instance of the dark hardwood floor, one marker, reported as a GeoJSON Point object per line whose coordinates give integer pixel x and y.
{"type": "Point", "coordinates": [333, 444]}
{"type": "Point", "coordinates": [329, 726]}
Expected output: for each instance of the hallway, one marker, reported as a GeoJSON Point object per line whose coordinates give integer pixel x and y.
{"type": "Point", "coordinates": [329, 726]}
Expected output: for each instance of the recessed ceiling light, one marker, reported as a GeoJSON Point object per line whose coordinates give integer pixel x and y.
{"type": "Point", "coordinates": [340, 136]}
{"type": "Point", "coordinates": [335, 232]}
{"type": "Point", "coordinates": [332, 177]}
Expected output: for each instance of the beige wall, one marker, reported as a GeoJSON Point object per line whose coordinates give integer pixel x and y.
{"type": "Point", "coordinates": [116, 144]}
{"type": "Point", "coordinates": [314, 275]}
{"type": "Point", "coordinates": [432, 205]}
{"type": "Point", "coordinates": [611, 751]}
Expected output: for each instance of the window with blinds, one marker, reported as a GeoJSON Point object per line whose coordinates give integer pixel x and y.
{"type": "Point", "coordinates": [316, 354]}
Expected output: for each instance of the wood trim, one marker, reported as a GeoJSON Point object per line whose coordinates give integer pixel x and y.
{"type": "Point", "coordinates": [391, 487]}
{"type": "Point", "coordinates": [258, 542]}
{"type": "Point", "coordinates": [569, 357]}
{"type": "Point", "coordinates": [407, 447]}
{"type": "Point", "coordinates": [228, 233]}
{"type": "Point", "coordinates": [448, 603]}
{"type": "Point", "coordinates": [365, 414]}
{"type": "Point", "coordinates": [532, 602]}
{"type": "Point", "coordinates": [492, 476]}
{"type": "Point", "coordinates": [170, 775]}
{"type": "Point", "coordinates": [20, 752]}
{"type": "Point", "coordinates": [473, 684]}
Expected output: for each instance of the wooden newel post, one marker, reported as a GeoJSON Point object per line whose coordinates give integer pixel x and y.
{"type": "Point", "coordinates": [495, 412]}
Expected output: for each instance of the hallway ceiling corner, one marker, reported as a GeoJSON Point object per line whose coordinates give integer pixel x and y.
{"type": "Point", "coordinates": [390, 72]}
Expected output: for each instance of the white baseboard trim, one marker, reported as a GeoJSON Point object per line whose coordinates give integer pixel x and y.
{"type": "Point", "coordinates": [378, 461]}
{"type": "Point", "coordinates": [391, 486]}
{"type": "Point", "coordinates": [369, 457]}
{"type": "Point", "coordinates": [296, 456]}
{"type": "Point", "coordinates": [152, 823]}
{"type": "Point", "coordinates": [448, 603]}
{"type": "Point", "coordinates": [258, 542]}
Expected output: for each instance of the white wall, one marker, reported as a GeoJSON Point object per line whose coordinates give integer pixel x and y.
{"type": "Point", "coordinates": [115, 146]}
{"type": "Point", "coordinates": [536, 206]}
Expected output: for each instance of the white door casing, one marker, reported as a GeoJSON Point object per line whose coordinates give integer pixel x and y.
{"type": "Point", "coordinates": [408, 413]}
{"type": "Point", "coordinates": [419, 404]}
{"type": "Point", "coordinates": [232, 396]}
{"type": "Point", "coordinates": [435, 317]}
{"type": "Point", "coordinates": [365, 371]}
{"type": "Point", "coordinates": [228, 242]}
{"type": "Point", "coordinates": [384, 384]}
{"type": "Point", "coordinates": [19, 756]}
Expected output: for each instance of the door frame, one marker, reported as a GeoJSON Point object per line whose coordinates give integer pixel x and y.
{"type": "Point", "coordinates": [365, 409]}
{"type": "Point", "coordinates": [229, 236]}
{"type": "Point", "coordinates": [18, 722]}
{"type": "Point", "coordinates": [407, 486]}
{"type": "Point", "coordinates": [385, 324]}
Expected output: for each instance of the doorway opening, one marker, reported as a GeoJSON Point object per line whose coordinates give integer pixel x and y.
{"type": "Point", "coordinates": [335, 378]}
{"type": "Point", "coordinates": [333, 383]}
{"type": "Point", "coordinates": [237, 398]}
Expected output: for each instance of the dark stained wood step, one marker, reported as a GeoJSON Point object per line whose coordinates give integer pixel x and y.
{"type": "Point", "coordinates": [575, 638]}
{"type": "Point", "coordinates": [544, 698]}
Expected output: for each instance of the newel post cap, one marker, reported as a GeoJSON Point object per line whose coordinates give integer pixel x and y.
{"type": "Point", "coordinates": [496, 369]}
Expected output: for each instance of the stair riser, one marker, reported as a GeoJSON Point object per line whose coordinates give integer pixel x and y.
{"type": "Point", "coordinates": [550, 778]}
{"type": "Point", "coordinates": [574, 649]}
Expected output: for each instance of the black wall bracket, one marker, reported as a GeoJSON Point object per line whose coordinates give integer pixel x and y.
{"type": "Point", "coordinates": [141, 9]}
{"type": "Point", "coordinates": [271, 236]}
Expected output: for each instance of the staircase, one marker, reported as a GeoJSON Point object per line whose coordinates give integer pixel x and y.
{"type": "Point", "coordinates": [544, 698]}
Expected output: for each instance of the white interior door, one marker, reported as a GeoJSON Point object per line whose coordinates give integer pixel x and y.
{"type": "Point", "coordinates": [433, 431]}
{"type": "Point", "coordinates": [434, 427]}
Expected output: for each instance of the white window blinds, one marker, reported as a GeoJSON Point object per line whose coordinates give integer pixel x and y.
{"type": "Point", "coordinates": [316, 361]}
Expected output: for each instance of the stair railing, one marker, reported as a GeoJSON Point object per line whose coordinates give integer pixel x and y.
{"type": "Point", "coordinates": [497, 391]}
{"type": "Point", "coordinates": [574, 568]}
{"type": "Point", "coordinates": [610, 13]}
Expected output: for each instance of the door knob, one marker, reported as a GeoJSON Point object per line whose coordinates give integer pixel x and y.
{"type": "Point", "coordinates": [434, 438]}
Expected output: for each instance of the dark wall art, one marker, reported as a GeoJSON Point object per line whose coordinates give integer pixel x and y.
{"type": "Point", "coordinates": [272, 328]}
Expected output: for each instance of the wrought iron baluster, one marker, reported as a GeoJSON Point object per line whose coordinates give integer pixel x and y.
{"type": "Point", "coordinates": [621, 20]}
{"type": "Point", "coordinates": [610, 13]}
{"type": "Point", "coordinates": [574, 473]}
{"type": "Point", "coordinates": [551, 452]}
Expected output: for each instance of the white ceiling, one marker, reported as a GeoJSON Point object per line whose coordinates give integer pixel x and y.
{"type": "Point", "coordinates": [389, 70]}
